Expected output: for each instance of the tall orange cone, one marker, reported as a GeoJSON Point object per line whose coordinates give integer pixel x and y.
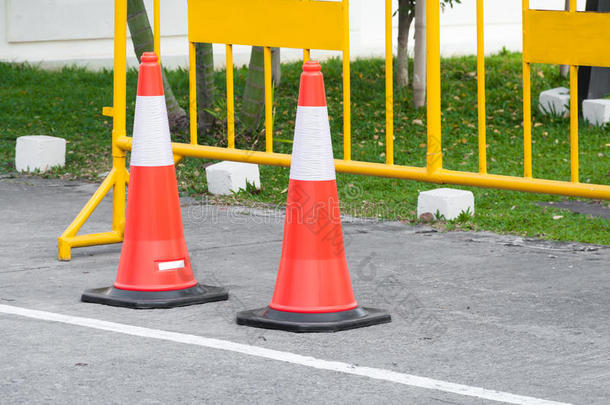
{"type": "Point", "coordinates": [313, 291]}
{"type": "Point", "coordinates": [154, 270]}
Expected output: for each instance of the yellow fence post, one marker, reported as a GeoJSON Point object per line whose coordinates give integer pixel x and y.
{"type": "Point", "coordinates": [268, 101]}
{"type": "Point", "coordinates": [118, 175]}
{"type": "Point", "coordinates": [119, 119]}
{"type": "Point", "coordinates": [481, 110]}
{"type": "Point", "coordinates": [230, 99]}
{"type": "Point", "coordinates": [574, 123]}
{"type": "Point", "coordinates": [433, 73]}
{"type": "Point", "coordinates": [347, 116]}
{"type": "Point", "coordinates": [193, 92]}
{"type": "Point", "coordinates": [527, 121]}
{"type": "Point", "coordinates": [527, 103]}
{"type": "Point", "coordinates": [157, 24]}
{"type": "Point", "coordinates": [573, 114]}
{"type": "Point", "coordinates": [389, 86]}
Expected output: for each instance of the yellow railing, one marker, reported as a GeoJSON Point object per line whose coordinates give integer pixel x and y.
{"type": "Point", "coordinates": [286, 23]}
{"type": "Point", "coordinates": [565, 37]}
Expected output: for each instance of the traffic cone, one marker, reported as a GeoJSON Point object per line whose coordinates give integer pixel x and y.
{"type": "Point", "coordinates": [313, 291]}
{"type": "Point", "coordinates": [154, 270]}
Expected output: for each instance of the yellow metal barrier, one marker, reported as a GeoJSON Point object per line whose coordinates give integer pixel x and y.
{"type": "Point", "coordinates": [548, 37]}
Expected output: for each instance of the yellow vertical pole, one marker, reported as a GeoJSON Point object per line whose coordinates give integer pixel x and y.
{"type": "Point", "coordinates": [527, 121]}
{"type": "Point", "coordinates": [193, 92]}
{"type": "Point", "coordinates": [119, 111]}
{"type": "Point", "coordinates": [573, 114]}
{"type": "Point", "coordinates": [389, 88]}
{"type": "Point", "coordinates": [157, 24]}
{"type": "Point", "coordinates": [119, 100]}
{"type": "Point", "coordinates": [574, 123]}
{"type": "Point", "coordinates": [268, 102]}
{"type": "Point", "coordinates": [230, 99]}
{"type": "Point", "coordinates": [434, 158]}
{"type": "Point", "coordinates": [527, 106]}
{"type": "Point", "coordinates": [347, 130]}
{"type": "Point", "coordinates": [306, 55]}
{"type": "Point", "coordinates": [481, 89]}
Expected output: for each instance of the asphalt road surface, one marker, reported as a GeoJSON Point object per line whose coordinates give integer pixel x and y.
{"type": "Point", "coordinates": [477, 318]}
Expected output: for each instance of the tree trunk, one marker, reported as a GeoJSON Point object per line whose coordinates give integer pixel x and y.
{"type": "Point", "coordinates": [205, 86]}
{"type": "Point", "coordinates": [405, 17]}
{"type": "Point", "coordinates": [565, 69]}
{"type": "Point", "coordinates": [276, 67]}
{"type": "Point", "coordinates": [419, 57]}
{"type": "Point", "coordinates": [253, 103]}
{"type": "Point", "coordinates": [142, 38]}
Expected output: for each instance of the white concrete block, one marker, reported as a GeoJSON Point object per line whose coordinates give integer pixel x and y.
{"type": "Point", "coordinates": [449, 202]}
{"type": "Point", "coordinates": [39, 152]}
{"type": "Point", "coordinates": [596, 111]}
{"type": "Point", "coordinates": [555, 102]}
{"type": "Point", "coordinates": [228, 177]}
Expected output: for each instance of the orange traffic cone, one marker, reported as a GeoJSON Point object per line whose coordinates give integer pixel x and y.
{"type": "Point", "coordinates": [313, 291]}
{"type": "Point", "coordinates": [154, 270]}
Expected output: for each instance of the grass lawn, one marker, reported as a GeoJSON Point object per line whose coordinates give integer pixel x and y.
{"type": "Point", "coordinates": [68, 104]}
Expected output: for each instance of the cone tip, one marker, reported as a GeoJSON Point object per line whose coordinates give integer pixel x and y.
{"type": "Point", "coordinates": [150, 82]}
{"type": "Point", "coordinates": [311, 66]}
{"type": "Point", "coordinates": [149, 57]}
{"type": "Point", "coordinates": [311, 91]}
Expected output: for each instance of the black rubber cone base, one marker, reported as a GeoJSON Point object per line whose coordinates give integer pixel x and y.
{"type": "Point", "coordinates": [313, 322]}
{"type": "Point", "coordinates": [198, 294]}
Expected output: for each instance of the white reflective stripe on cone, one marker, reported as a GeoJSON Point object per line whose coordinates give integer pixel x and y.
{"type": "Point", "coordinates": [151, 140]}
{"type": "Point", "coordinates": [312, 151]}
{"type": "Point", "coordinates": [172, 265]}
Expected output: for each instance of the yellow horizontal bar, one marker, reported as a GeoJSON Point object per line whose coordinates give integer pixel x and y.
{"type": "Point", "coordinates": [91, 239]}
{"type": "Point", "coordinates": [568, 38]}
{"type": "Point", "coordinates": [306, 24]}
{"type": "Point", "coordinates": [214, 152]}
{"type": "Point", "coordinates": [66, 243]}
{"type": "Point", "coordinates": [108, 111]}
{"type": "Point", "coordinates": [530, 185]}
{"type": "Point", "coordinates": [397, 171]}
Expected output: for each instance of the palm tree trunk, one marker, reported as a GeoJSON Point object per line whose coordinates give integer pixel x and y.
{"type": "Point", "coordinates": [142, 38]}
{"type": "Point", "coordinates": [205, 86]}
{"type": "Point", "coordinates": [419, 57]}
{"type": "Point", "coordinates": [253, 103]}
{"type": "Point", "coordinates": [276, 67]}
{"type": "Point", "coordinates": [405, 17]}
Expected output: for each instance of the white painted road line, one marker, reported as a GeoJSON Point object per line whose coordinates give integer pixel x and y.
{"type": "Point", "coordinates": [287, 357]}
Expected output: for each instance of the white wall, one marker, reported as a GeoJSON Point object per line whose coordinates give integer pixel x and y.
{"type": "Point", "coordinates": [59, 32]}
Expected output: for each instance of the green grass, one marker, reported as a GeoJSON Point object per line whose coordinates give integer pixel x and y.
{"type": "Point", "coordinates": [68, 103]}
